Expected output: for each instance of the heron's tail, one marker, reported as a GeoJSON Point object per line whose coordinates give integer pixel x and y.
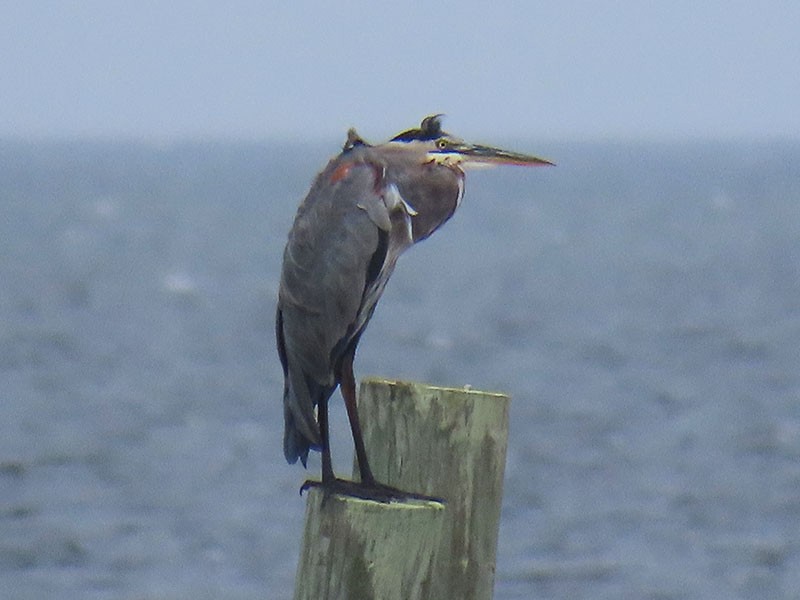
{"type": "Point", "coordinates": [295, 445]}
{"type": "Point", "coordinates": [301, 431]}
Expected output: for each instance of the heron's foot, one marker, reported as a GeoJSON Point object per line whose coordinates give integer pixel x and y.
{"type": "Point", "coordinates": [366, 490]}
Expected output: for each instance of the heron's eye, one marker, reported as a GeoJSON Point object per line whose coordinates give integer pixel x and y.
{"type": "Point", "coordinates": [441, 144]}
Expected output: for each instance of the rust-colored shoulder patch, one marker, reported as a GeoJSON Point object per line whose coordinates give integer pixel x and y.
{"type": "Point", "coordinates": [341, 172]}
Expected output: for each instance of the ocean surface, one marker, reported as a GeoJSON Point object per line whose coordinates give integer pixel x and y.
{"type": "Point", "coordinates": [640, 302]}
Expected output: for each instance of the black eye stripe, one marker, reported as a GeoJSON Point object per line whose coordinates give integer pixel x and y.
{"type": "Point", "coordinates": [415, 135]}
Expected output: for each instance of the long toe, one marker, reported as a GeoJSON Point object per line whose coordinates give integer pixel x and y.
{"type": "Point", "coordinates": [377, 492]}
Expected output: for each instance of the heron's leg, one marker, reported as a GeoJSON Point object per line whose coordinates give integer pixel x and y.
{"type": "Point", "coordinates": [327, 464]}
{"type": "Point", "coordinates": [348, 387]}
{"type": "Point", "coordinates": [368, 488]}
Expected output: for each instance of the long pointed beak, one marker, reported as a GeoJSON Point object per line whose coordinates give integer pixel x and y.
{"type": "Point", "coordinates": [477, 155]}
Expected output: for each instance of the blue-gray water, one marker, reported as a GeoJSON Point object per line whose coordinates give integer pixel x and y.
{"type": "Point", "coordinates": [640, 302]}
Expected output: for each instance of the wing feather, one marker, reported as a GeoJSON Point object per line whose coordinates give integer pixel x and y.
{"type": "Point", "coordinates": [334, 249]}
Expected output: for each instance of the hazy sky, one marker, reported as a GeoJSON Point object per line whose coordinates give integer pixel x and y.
{"type": "Point", "coordinates": [555, 69]}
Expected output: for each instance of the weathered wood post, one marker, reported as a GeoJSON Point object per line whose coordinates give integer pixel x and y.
{"type": "Point", "coordinates": [440, 442]}
{"type": "Point", "coordinates": [356, 549]}
{"type": "Point", "coordinates": [450, 444]}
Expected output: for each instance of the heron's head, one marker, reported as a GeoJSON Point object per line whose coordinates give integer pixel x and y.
{"type": "Point", "coordinates": [445, 149]}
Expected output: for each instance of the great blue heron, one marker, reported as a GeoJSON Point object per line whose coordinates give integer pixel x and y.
{"type": "Point", "coordinates": [369, 205]}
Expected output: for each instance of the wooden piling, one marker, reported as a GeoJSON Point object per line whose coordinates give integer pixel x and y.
{"type": "Point", "coordinates": [440, 442]}
{"type": "Point", "coordinates": [365, 550]}
{"type": "Point", "coordinates": [451, 444]}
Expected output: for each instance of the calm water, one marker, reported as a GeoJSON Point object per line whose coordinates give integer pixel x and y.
{"type": "Point", "coordinates": [641, 303]}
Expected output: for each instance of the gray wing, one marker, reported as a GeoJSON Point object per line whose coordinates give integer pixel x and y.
{"type": "Point", "coordinates": [330, 256]}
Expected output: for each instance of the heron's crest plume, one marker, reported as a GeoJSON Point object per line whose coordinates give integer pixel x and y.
{"type": "Point", "coordinates": [429, 129]}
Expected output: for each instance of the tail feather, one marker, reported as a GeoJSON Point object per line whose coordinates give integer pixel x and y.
{"type": "Point", "coordinates": [295, 444]}
{"type": "Point", "coordinates": [301, 396]}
